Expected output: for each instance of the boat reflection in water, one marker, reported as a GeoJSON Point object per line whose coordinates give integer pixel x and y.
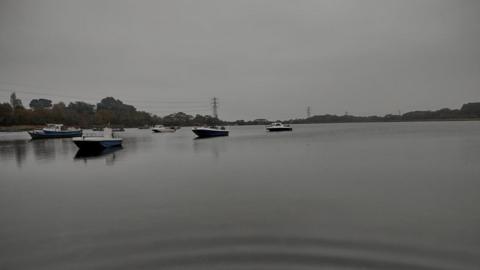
{"type": "Point", "coordinates": [109, 154]}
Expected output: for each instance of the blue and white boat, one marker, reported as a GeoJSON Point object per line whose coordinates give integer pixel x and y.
{"type": "Point", "coordinates": [207, 132]}
{"type": "Point", "coordinates": [98, 142]}
{"type": "Point", "coordinates": [55, 131]}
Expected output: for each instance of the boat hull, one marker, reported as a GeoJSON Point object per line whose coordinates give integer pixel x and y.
{"type": "Point", "coordinates": [97, 144]}
{"type": "Point", "coordinates": [207, 133]}
{"type": "Point", "coordinates": [278, 129]}
{"type": "Point", "coordinates": [41, 134]}
{"type": "Point", "coordinates": [163, 130]}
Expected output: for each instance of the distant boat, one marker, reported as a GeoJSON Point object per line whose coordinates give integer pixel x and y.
{"type": "Point", "coordinates": [277, 126]}
{"type": "Point", "coordinates": [118, 129]}
{"type": "Point", "coordinates": [163, 129]}
{"type": "Point", "coordinates": [55, 131]}
{"type": "Point", "coordinates": [213, 131]}
{"type": "Point", "coordinates": [98, 142]}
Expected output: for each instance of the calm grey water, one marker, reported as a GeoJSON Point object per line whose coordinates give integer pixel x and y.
{"type": "Point", "coordinates": [333, 196]}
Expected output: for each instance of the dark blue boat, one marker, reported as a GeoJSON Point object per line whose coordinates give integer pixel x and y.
{"type": "Point", "coordinates": [207, 132]}
{"type": "Point", "coordinates": [91, 143]}
{"type": "Point", "coordinates": [55, 131]}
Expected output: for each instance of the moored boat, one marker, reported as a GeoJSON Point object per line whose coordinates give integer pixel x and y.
{"type": "Point", "coordinates": [55, 131]}
{"type": "Point", "coordinates": [163, 129]}
{"type": "Point", "coordinates": [213, 131]}
{"type": "Point", "coordinates": [277, 126]}
{"type": "Point", "coordinates": [98, 142]}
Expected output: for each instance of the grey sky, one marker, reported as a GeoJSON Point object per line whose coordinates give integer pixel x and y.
{"type": "Point", "coordinates": [261, 58]}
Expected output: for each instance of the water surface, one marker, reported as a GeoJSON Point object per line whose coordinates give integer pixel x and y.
{"type": "Point", "coordinates": [332, 196]}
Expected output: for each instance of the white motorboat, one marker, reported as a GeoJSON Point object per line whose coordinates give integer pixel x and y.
{"type": "Point", "coordinates": [163, 129]}
{"type": "Point", "coordinates": [98, 142]}
{"type": "Point", "coordinates": [277, 126]}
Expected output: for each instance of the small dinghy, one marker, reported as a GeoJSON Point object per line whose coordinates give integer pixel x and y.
{"type": "Point", "coordinates": [277, 126]}
{"type": "Point", "coordinates": [213, 131]}
{"type": "Point", "coordinates": [55, 131]}
{"type": "Point", "coordinates": [98, 142]}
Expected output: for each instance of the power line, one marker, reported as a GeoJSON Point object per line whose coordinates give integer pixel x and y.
{"type": "Point", "coordinates": [155, 107]}
{"type": "Point", "coordinates": [46, 94]}
{"type": "Point", "coordinates": [138, 102]}
{"type": "Point", "coordinates": [55, 95]}
{"type": "Point", "coordinates": [30, 86]}
{"type": "Point", "coordinates": [150, 104]}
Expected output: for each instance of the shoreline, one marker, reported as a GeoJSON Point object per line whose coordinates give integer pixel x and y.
{"type": "Point", "coordinates": [21, 128]}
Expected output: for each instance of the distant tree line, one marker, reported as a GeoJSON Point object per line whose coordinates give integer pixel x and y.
{"type": "Point", "coordinates": [109, 111]}
{"type": "Point", "coordinates": [467, 111]}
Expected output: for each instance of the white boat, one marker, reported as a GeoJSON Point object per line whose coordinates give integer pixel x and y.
{"type": "Point", "coordinates": [98, 142]}
{"type": "Point", "coordinates": [163, 129]}
{"type": "Point", "coordinates": [277, 126]}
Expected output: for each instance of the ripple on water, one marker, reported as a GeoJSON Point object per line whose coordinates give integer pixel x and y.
{"type": "Point", "coordinates": [240, 252]}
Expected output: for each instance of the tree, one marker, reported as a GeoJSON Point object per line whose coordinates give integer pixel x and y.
{"type": "Point", "coordinates": [80, 107]}
{"type": "Point", "coordinates": [110, 110]}
{"type": "Point", "coordinates": [80, 113]}
{"type": "Point", "coordinates": [109, 103]}
{"type": "Point", "coordinates": [14, 101]}
{"type": "Point", "coordinates": [21, 116]}
{"type": "Point", "coordinates": [58, 112]}
{"type": "Point", "coordinates": [471, 109]}
{"type": "Point", "coordinates": [41, 103]}
{"type": "Point", "coordinates": [115, 112]}
{"type": "Point", "coordinates": [103, 117]}
{"type": "Point", "coordinates": [200, 120]}
{"type": "Point", "coordinates": [178, 119]}
{"type": "Point", "coordinates": [6, 112]}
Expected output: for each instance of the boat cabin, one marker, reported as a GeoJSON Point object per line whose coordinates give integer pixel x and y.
{"type": "Point", "coordinates": [107, 133]}
{"type": "Point", "coordinates": [54, 127]}
{"type": "Point", "coordinates": [279, 124]}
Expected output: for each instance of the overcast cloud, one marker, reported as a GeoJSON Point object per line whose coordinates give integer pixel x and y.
{"type": "Point", "coordinates": [261, 58]}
